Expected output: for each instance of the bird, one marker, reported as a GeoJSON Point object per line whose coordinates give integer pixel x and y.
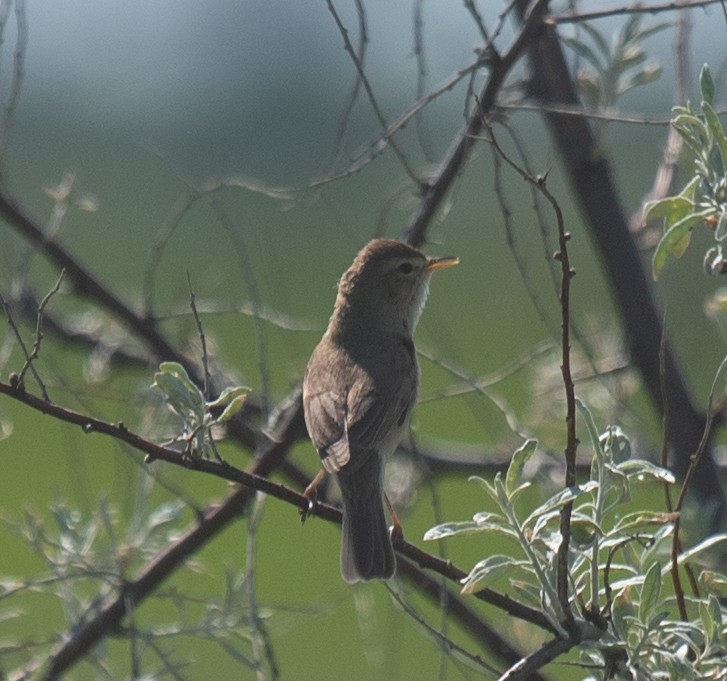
{"type": "Point", "coordinates": [359, 389]}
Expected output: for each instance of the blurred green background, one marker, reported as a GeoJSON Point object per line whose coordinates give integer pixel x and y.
{"type": "Point", "coordinates": [143, 101]}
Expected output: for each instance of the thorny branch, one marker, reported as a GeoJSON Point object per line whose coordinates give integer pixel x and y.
{"type": "Point", "coordinates": [217, 517]}
{"type": "Point", "coordinates": [567, 273]}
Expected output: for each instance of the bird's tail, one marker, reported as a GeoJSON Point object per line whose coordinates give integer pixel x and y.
{"type": "Point", "coordinates": [366, 551]}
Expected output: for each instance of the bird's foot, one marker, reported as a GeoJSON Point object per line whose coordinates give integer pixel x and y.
{"type": "Point", "coordinates": [311, 494]}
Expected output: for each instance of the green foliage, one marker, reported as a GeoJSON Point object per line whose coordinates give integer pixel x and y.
{"type": "Point", "coordinates": [619, 566]}
{"type": "Point", "coordinates": [187, 401]}
{"type": "Point", "coordinates": [704, 199]}
{"type": "Point", "coordinates": [613, 68]}
{"type": "Point", "coordinates": [87, 559]}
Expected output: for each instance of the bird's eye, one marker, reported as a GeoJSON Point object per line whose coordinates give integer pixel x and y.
{"type": "Point", "coordinates": [406, 267]}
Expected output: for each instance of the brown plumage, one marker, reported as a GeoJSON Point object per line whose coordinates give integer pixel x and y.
{"type": "Point", "coordinates": [360, 387]}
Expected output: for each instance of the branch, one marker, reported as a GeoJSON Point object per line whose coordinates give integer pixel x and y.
{"type": "Point", "coordinates": [656, 8]}
{"type": "Point", "coordinates": [593, 186]}
{"type": "Point", "coordinates": [567, 273]}
{"type": "Point", "coordinates": [452, 166]}
{"type": "Point", "coordinates": [269, 456]}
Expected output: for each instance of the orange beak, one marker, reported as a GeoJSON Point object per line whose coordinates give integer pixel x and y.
{"type": "Point", "coordinates": [442, 263]}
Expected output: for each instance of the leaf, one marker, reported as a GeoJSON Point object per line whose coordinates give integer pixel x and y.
{"type": "Point", "coordinates": [488, 570]}
{"type": "Point", "coordinates": [640, 467]}
{"type": "Point", "coordinates": [180, 393]}
{"type": "Point", "coordinates": [706, 85]}
{"type": "Point", "coordinates": [711, 617]}
{"type": "Point", "coordinates": [637, 519]}
{"type": "Point", "coordinates": [720, 233]}
{"type": "Point", "coordinates": [648, 74]}
{"type": "Point", "coordinates": [492, 523]}
{"type": "Point", "coordinates": [583, 51]}
{"type": "Point", "coordinates": [616, 445]}
{"type": "Point", "coordinates": [486, 485]}
{"type": "Point", "coordinates": [559, 500]}
{"type": "Point", "coordinates": [622, 611]}
{"type": "Point", "coordinates": [715, 127]}
{"type": "Point", "coordinates": [584, 531]}
{"type": "Point", "coordinates": [692, 131]}
{"type": "Point", "coordinates": [228, 395]}
{"type": "Point", "coordinates": [672, 209]}
{"type": "Point", "coordinates": [231, 409]}
{"type": "Point", "coordinates": [690, 189]}
{"type": "Point", "coordinates": [714, 582]}
{"type": "Point", "coordinates": [597, 37]}
{"type": "Point", "coordinates": [515, 469]}
{"type": "Point", "coordinates": [592, 430]}
{"type": "Point", "coordinates": [708, 543]}
{"type": "Point", "coordinates": [650, 592]}
{"type": "Point", "coordinates": [672, 241]}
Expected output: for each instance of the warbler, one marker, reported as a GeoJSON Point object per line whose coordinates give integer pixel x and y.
{"type": "Point", "coordinates": [359, 390]}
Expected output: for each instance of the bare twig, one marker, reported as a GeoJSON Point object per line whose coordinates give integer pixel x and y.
{"type": "Point", "coordinates": [202, 340]}
{"type": "Point", "coordinates": [636, 8]}
{"type": "Point", "coordinates": [31, 356]}
{"type": "Point", "coordinates": [435, 192]}
{"type": "Point", "coordinates": [21, 45]}
{"type": "Point", "coordinates": [39, 336]}
{"type": "Point", "coordinates": [369, 90]}
{"type": "Point", "coordinates": [363, 39]}
{"type": "Point", "coordinates": [694, 462]}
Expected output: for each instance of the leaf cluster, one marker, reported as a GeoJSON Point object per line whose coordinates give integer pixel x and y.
{"type": "Point", "coordinates": [199, 416]}
{"type": "Point", "coordinates": [704, 198]}
{"type": "Point", "coordinates": [617, 66]}
{"type": "Point", "coordinates": [617, 563]}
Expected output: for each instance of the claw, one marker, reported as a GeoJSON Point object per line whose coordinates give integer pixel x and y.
{"type": "Point", "coordinates": [311, 494]}
{"type": "Point", "coordinates": [396, 531]}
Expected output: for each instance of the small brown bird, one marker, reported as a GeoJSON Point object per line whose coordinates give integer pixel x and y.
{"type": "Point", "coordinates": [360, 387]}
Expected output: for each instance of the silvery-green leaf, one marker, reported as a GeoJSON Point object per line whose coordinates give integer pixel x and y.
{"type": "Point", "coordinates": [650, 592]}
{"type": "Point", "coordinates": [517, 463]}
{"type": "Point", "coordinates": [706, 85]}
{"type": "Point", "coordinates": [708, 543]}
{"type": "Point", "coordinates": [488, 570]}
{"type": "Point", "coordinates": [641, 467]}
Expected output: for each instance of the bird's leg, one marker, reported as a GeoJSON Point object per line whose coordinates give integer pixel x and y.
{"type": "Point", "coordinates": [395, 531]}
{"type": "Point", "coordinates": [311, 493]}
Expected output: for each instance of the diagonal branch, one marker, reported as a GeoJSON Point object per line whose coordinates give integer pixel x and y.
{"type": "Point", "coordinates": [433, 194]}
{"type": "Point", "coordinates": [269, 456]}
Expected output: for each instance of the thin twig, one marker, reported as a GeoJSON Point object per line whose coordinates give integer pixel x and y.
{"type": "Point", "coordinates": [456, 159]}
{"type": "Point", "coordinates": [448, 644]}
{"type": "Point", "coordinates": [694, 462]}
{"type": "Point", "coordinates": [637, 8]}
{"type": "Point", "coordinates": [369, 90]}
{"type": "Point", "coordinates": [21, 45]}
{"type": "Point", "coordinates": [547, 653]}
{"type": "Point", "coordinates": [202, 339]}
{"type": "Point", "coordinates": [31, 356]}
{"type": "Point", "coordinates": [39, 335]}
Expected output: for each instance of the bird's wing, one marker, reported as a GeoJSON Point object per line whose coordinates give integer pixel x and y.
{"type": "Point", "coordinates": [364, 412]}
{"type": "Point", "coordinates": [325, 416]}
